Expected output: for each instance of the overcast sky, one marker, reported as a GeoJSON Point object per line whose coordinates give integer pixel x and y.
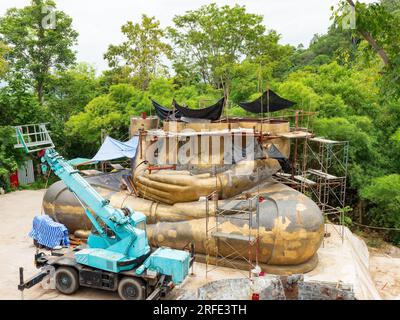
{"type": "Point", "coordinates": [99, 21]}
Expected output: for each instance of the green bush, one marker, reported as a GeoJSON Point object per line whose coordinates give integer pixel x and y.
{"type": "Point", "coordinates": [10, 158]}
{"type": "Point", "coordinates": [384, 195]}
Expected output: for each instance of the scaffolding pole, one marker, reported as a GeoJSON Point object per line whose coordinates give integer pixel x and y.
{"type": "Point", "coordinates": [320, 172]}
{"type": "Point", "coordinates": [216, 238]}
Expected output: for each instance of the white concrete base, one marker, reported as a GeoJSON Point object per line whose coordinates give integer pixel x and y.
{"type": "Point", "coordinates": [346, 262]}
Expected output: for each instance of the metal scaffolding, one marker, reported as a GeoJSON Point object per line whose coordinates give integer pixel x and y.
{"type": "Point", "coordinates": [320, 172]}
{"type": "Point", "coordinates": [247, 212]}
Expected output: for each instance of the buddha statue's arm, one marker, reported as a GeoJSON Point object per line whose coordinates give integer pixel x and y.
{"type": "Point", "coordinates": [172, 187]}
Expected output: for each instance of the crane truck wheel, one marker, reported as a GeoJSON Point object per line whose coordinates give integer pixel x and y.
{"type": "Point", "coordinates": [67, 280]}
{"type": "Point", "coordinates": [131, 289]}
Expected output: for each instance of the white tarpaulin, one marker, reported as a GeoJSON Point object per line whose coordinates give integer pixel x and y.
{"type": "Point", "coordinates": [345, 262]}
{"type": "Point", "coordinates": [114, 149]}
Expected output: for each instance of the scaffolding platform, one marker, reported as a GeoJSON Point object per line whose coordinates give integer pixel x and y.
{"type": "Point", "coordinates": [302, 179]}
{"type": "Point", "coordinates": [326, 141]}
{"type": "Point", "coordinates": [33, 137]}
{"type": "Point", "coordinates": [246, 210]}
{"type": "Point", "coordinates": [322, 174]}
{"type": "Point", "coordinates": [320, 171]}
{"type": "Point", "coordinates": [295, 135]}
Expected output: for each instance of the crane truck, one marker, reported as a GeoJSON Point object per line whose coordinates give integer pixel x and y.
{"type": "Point", "coordinates": [117, 256]}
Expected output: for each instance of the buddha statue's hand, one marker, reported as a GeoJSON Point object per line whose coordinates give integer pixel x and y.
{"type": "Point", "coordinates": [169, 186]}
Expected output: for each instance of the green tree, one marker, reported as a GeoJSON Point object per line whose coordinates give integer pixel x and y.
{"type": "Point", "coordinates": [69, 91]}
{"type": "Point", "coordinates": [37, 48]}
{"type": "Point", "coordinates": [378, 24]}
{"type": "Point", "coordinates": [243, 80]}
{"type": "Point", "coordinates": [394, 147]}
{"type": "Point", "coordinates": [334, 90]}
{"type": "Point", "coordinates": [336, 44]}
{"type": "Point", "coordinates": [384, 195]}
{"type": "Point", "coordinates": [10, 158]}
{"type": "Point", "coordinates": [211, 39]}
{"type": "Point", "coordinates": [140, 57]}
{"type": "Point", "coordinates": [364, 161]}
{"type": "Point", "coordinates": [3, 63]}
{"type": "Point", "coordinates": [18, 107]}
{"type": "Point", "coordinates": [110, 112]}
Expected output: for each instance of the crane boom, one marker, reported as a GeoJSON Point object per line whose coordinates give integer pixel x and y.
{"type": "Point", "coordinates": [87, 194]}
{"type": "Point", "coordinates": [119, 241]}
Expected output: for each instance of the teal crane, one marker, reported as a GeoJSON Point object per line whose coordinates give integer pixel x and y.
{"type": "Point", "coordinates": [117, 255]}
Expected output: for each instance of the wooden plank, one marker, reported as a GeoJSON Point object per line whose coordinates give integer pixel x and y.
{"type": "Point", "coordinates": [295, 134]}
{"type": "Point", "coordinates": [305, 180]}
{"type": "Point", "coordinates": [322, 174]}
{"type": "Point", "coordinates": [283, 174]}
{"type": "Point", "coordinates": [327, 141]}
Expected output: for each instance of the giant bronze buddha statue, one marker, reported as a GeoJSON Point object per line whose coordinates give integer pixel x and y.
{"type": "Point", "coordinates": [171, 187]}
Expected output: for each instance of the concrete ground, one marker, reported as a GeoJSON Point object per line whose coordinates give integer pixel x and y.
{"type": "Point", "coordinates": [17, 210]}
{"type": "Point", "coordinates": [385, 271]}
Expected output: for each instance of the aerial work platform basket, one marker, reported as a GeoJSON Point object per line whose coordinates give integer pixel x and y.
{"type": "Point", "coordinates": [33, 137]}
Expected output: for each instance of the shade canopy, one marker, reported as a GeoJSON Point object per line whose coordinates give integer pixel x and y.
{"type": "Point", "coordinates": [113, 149]}
{"type": "Point", "coordinates": [164, 113]}
{"type": "Point", "coordinates": [268, 101]}
{"type": "Point", "coordinates": [212, 113]}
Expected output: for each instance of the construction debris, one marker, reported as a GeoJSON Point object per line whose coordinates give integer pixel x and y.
{"type": "Point", "coordinates": [270, 287]}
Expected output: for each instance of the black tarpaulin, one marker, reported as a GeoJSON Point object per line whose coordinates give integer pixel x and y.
{"type": "Point", "coordinates": [212, 113]}
{"type": "Point", "coordinates": [260, 105]}
{"type": "Point", "coordinates": [164, 113]}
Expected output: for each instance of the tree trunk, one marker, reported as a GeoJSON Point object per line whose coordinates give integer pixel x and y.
{"type": "Point", "coordinates": [39, 91]}
{"type": "Point", "coordinates": [376, 47]}
{"type": "Point", "coordinates": [360, 210]}
{"type": "Point", "coordinates": [367, 36]}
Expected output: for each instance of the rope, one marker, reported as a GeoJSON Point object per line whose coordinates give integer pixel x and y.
{"type": "Point", "coordinates": [372, 227]}
{"type": "Point", "coordinates": [133, 179]}
{"type": "Point", "coordinates": [126, 197]}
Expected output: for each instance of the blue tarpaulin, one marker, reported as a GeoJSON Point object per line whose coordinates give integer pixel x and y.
{"type": "Point", "coordinates": [49, 233]}
{"type": "Point", "coordinates": [81, 161]}
{"type": "Point", "coordinates": [113, 149]}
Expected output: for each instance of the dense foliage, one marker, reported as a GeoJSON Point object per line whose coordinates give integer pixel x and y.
{"type": "Point", "coordinates": [3, 62]}
{"type": "Point", "coordinates": [349, 77]}
{"type": "Point", "coordinates": [35, 48]}
{"type": "Point", "coordinates": [384, 194]}
{"type": "Point", "coordinates": [140, 58]}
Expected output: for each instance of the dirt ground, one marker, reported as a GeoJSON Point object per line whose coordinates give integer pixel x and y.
{"type": "Point", "coordinates": [17, 210]}
{"type": "Point", "coordinates": [385, 271]}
